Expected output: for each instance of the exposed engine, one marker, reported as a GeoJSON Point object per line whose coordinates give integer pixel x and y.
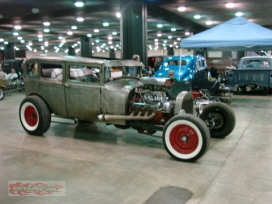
{"type": "Point", "coordinates": [152, 98]}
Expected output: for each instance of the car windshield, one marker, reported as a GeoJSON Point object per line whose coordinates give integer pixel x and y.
{"type": "Point", "coordinates": [175, 62]}
{"type": "Point", "coordinates": [116, 72]}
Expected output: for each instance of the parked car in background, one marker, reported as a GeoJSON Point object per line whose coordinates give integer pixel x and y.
{"type": "Point", "coordinates": [154, 62]}
{"type": "Point", "coordinates": [183, 66]}
{"type": "Point", "coordinates": [252, 72]}
{"type": "Point", "coordinates": [222, 64]}
{"type": "Point", "coordinates": [17, 64]}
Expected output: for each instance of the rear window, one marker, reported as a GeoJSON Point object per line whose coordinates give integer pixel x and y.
{"type": "Point", "coordinates": [256, 64]}
{"type": "Point", "coordinates": [217, 62]}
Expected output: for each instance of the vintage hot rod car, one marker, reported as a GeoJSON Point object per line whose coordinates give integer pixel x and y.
{"type": "Point", "coordinates": [183, 66]}
{"type": "Point", "coordinates": [113, 91]}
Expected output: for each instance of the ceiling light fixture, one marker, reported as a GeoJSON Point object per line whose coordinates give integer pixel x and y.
{"type": "Point", "coordinates": [182, 8]}
{"type": "Point", "coordinates": [46, 30]}
{"type": "Point", "coordinates": [74, 27]}
{"type": "Point", "coordinates": [96, 30]}
{"type": "Point", "coordinates": [46, 23]}
{"type": "Point", "coordinates": [173, 29]}
{"type": "Point", "coordinates": [17, 27]}
{"type": "Point", "coordinates": [239, 13]}
{"type": "Point", "coordinates": [106, 24]}
{"type": "Point", "coordinates": [197, 16]}
{"type": "Point", "coordinates": [89, 35]}
{"type": "Point", "coordinates": [15, 34]}
{"type": "Point", "coordinates": [114, 33]}
{"type": "Point", "coordinates": [159, 25]}
{"type": "Point", "coordinates": [230, 5]}
{"type": "Point", "coordinates": [69, 32]}
{"type": "Point", "coordinates": [79, 3]}
{"type": "Point", "coordinates": [80, 19]}
{"type": "Point", "coordinates": [209, 22]}
{"type": "Point", "coordinates": [35, 10]}
{"type": "Point", "coordinates": [118, 14]}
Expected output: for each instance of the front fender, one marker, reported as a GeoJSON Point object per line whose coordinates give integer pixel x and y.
{"type": "Point", "coordinates": [184, 101]}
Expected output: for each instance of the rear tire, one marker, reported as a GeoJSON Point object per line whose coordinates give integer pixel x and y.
{"type": "Point", "coordinates": [2, 94]}
{"type": "Point", "coordinates": [220, 119]}
{"type": "Point", "coordinates": [186, 137]}
{"type": "Point", "coordinates": [35, 116]}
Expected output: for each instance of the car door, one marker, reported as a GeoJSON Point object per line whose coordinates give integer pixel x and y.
{"type": "Point", "coordinates": [82, 91]}
{"type": "Point", "coordinates": [47, 85]}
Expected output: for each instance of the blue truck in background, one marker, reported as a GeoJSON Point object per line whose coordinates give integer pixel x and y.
{"type": "Point", "coordinates": [252, 72]}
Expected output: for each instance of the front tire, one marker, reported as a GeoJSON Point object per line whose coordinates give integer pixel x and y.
{"type": "Point", "coordinates": [186, 137]}
{"type": "Point", "coordinates": [2, 94]}
{"type": "Point", "coordinates": [34, 115]}
{"type": "Point", "coordinates": [220, 119]}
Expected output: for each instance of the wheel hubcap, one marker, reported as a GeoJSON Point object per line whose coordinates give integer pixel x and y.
{"type": "Point", "coordinates": [31, 116]}
{"type": "Point", "coordinates": [217, 120]}
{"type": "Point", "coordinates": [184, 139]}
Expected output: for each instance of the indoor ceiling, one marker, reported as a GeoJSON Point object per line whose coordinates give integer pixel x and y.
{"type": "Point", "coordinates": [62, 15]}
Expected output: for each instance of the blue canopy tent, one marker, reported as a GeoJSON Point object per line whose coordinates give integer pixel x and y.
{"type": "Point", "coordinates": [235, 34]}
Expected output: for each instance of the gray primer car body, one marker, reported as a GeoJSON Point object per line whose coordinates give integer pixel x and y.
{"type": "Point", "coordinates": [114, 92]}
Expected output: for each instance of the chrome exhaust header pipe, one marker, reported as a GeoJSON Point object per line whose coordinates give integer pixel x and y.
{"type": "Point", "coordinates": [139, 116]}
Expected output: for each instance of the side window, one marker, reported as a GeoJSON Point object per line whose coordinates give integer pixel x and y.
{"type": "Point", "coordinates": [266, 63]}
{"type": "Point", "coordinates": [32, 69]}
{"type": "Point", "coordinates": [172, 62]}
{"type": "Point", "coordinates": [181, 62]}
{"type": "Point", "coordinates": [198, 64]}
{"type": "Point", "coordinates": [83, 73]}
{"type": "Point", "coordinates": [51, 71]}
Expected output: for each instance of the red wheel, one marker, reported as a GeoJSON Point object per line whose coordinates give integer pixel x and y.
{"type": "Point", "coordinates": [30, 115]}
{"type": "Point", "coordinates": [186, 137]}
{"type": "Point", "coordinates": [34, 115]}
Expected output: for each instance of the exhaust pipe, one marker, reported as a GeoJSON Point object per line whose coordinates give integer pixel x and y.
{"type": "Point", "coordinates": [104, 117]}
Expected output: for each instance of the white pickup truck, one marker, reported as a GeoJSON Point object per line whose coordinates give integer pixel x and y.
{"type": "Point", "coordinates": [252, 72]}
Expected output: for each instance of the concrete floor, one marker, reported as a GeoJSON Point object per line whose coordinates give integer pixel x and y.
{"type": "Point", "coordinates": [104, 165]}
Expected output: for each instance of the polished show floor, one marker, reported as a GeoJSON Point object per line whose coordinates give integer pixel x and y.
{"type": "Point", "coordinates": [104, 165]}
